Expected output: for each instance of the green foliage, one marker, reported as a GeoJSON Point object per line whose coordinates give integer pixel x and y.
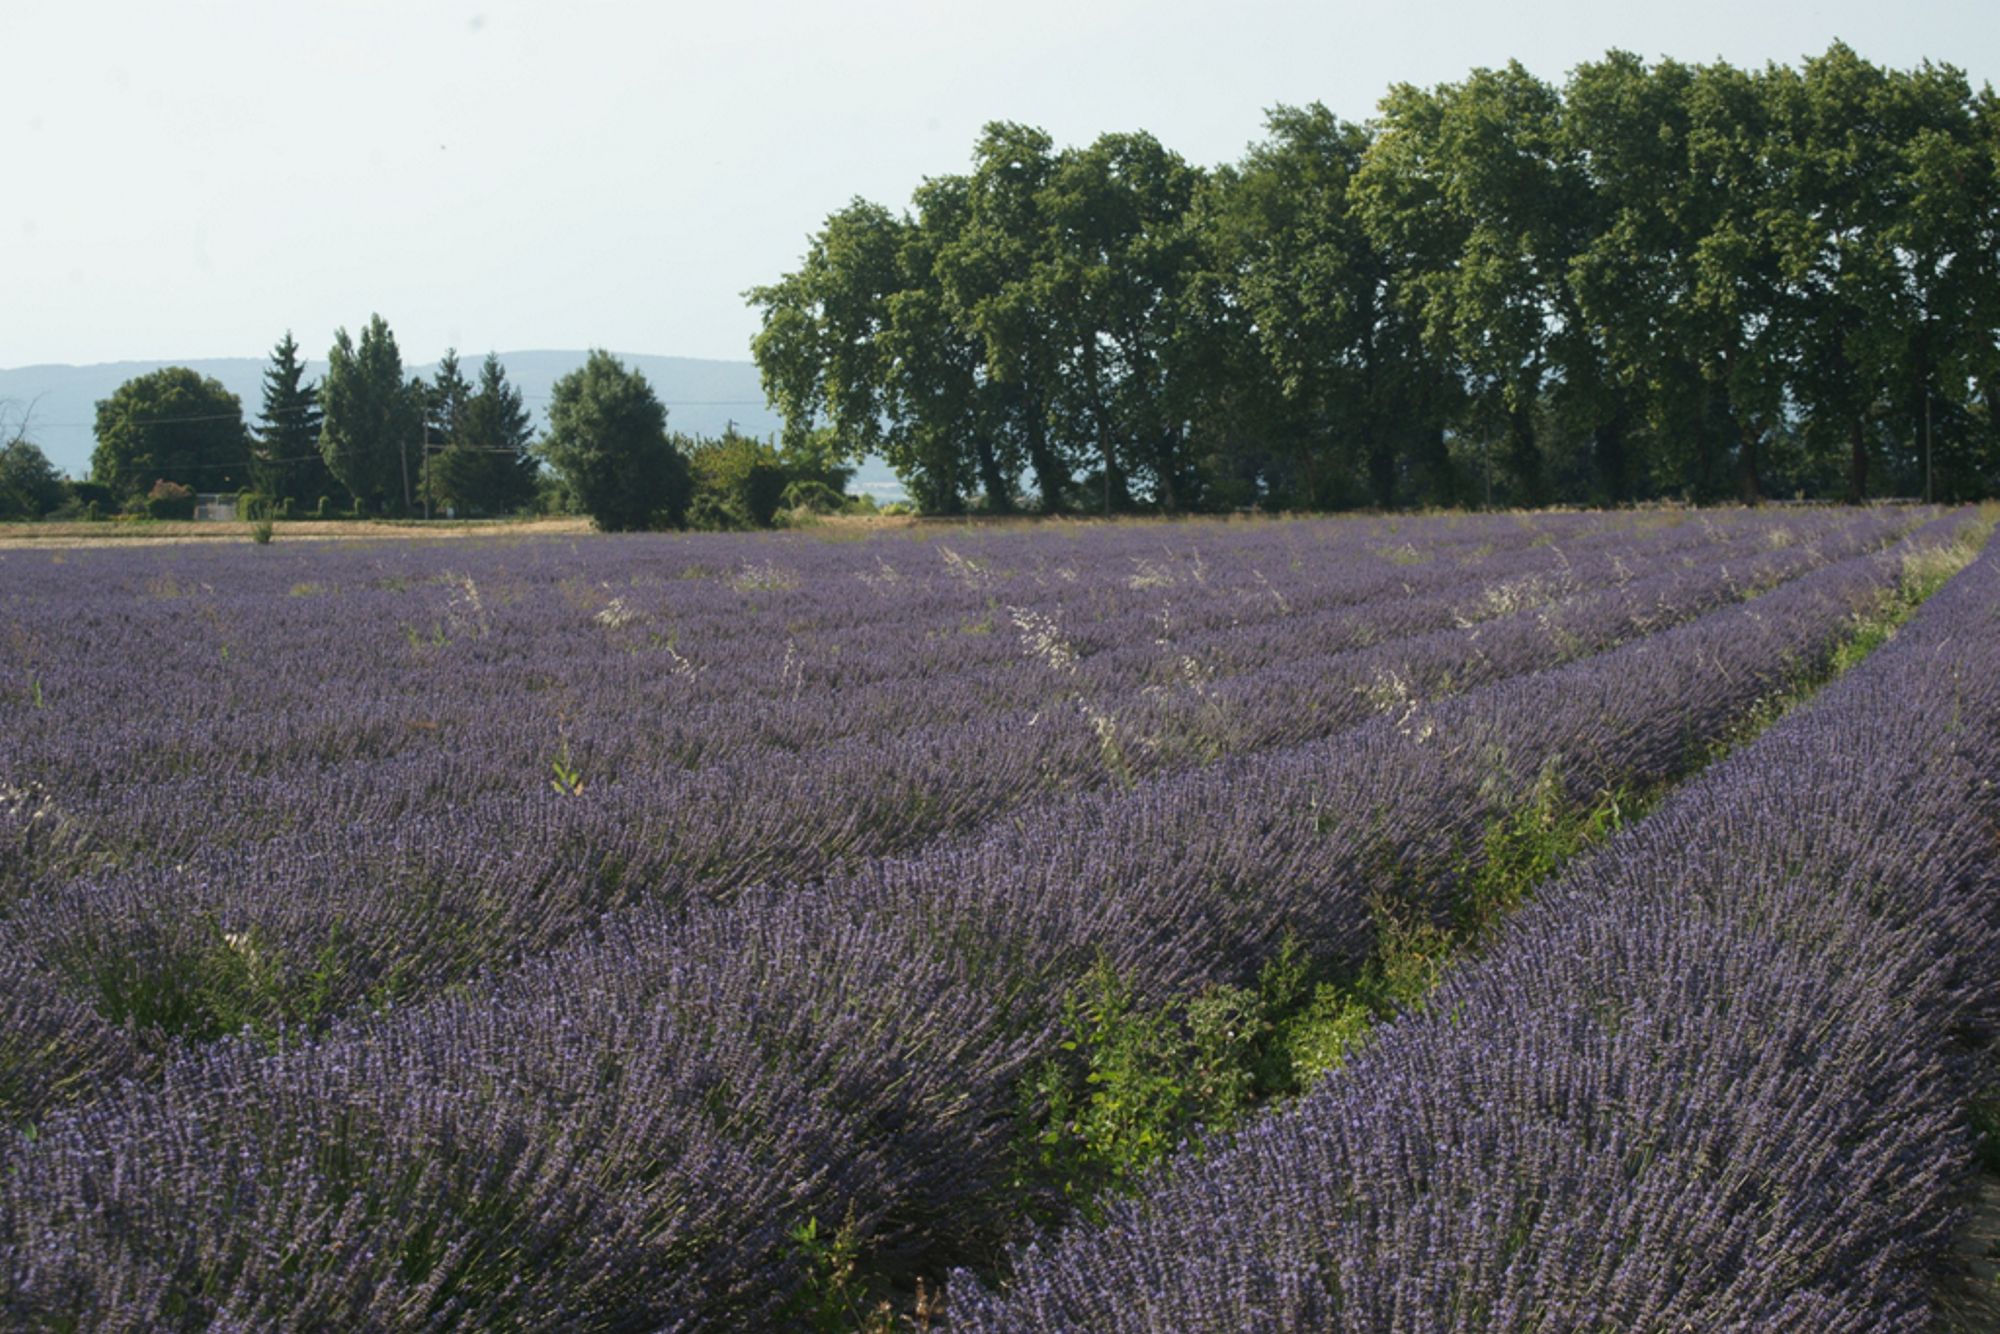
{"type": "Point", "coordinates": [1133, 1080]}
{"type": "Point", "coordinates": [1115, 1102]}
{"type": "Point", "coordinates": [1668, 279]}
{"type": "Point", "coordinates": [285, 457]}
{"type": "Point", "coordinates": [834, 1298]}
{"type": "Point", "coordinates": [262, 531]}
{"type": "Point", "coordinates": [30, 487]}
{"type": "Point", "coordinates": [94, 493]}
{"type": "Point", "coordinates": [486, 465]}
{"type": "Point", "coordinates": [371, 419]}
{"type": "Point", "coordinates": [814, 497]}
{"type": "Point", "coordinates": [209, 982]}
{"type": "Point", "coordinates": [712, 513]}
{"type": "Point", "coordinates": [170, 500]}
{"type": "Point", "coordinates": [608, 442]}
{"type": "Point", "coordinates": [170, 423]}
{"type": "Point", "coordinates": [738, 482]}
{"type": "Point", "coordinates": [1984, 1115]}
{"type": "Point", "coordinates": [1526, 844]}
{"type": "Point", "coordinates": [568, 780]}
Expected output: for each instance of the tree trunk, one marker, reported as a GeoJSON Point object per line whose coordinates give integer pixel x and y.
{"type": "Point", "coordinates": [999, 495]}
{"type": "Point", "coordinates": [1608, 447]}
{"type": "Point", "coordinates": [1440, 486]}
{"type": "Point", "coordinates": [1524, 459]}
{"type": "Point", "coordinates": [1166, 471]}
{"type": "Point", "coordinates": [1381, 463]}
{"type": "Point", "coordinates": [1049, 476]}
{"type": "Point", "coordinates": [1716, 422]}
{"type": "Point", "coordinates": [1749, 489]}
{"type": "Point", "coordinates": [1857, 462]}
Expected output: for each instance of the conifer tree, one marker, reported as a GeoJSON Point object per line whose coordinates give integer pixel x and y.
{"type": "Point", "coordinates": [284, 450]}
{"type": "Point", "coordinates": [486, 466]}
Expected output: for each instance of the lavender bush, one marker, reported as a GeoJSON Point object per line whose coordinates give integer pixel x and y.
{"type": "Point", "coordinates": [351, 858]}
{"type": "Point", "coordinates": [1705, 1081]}
{"type": "Point", "coordinates": [620, 1129]}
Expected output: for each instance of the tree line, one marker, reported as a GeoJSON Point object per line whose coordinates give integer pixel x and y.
{"type": "Point", "coordinates": [1656, 280]}
{"type": "Point", "coordinates": [367, 440]}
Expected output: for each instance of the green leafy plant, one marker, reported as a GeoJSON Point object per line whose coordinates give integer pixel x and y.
{"type": "Point", "coordinates": [568, 780]}
{"type": "Point", "coordinates": [834, 1297]}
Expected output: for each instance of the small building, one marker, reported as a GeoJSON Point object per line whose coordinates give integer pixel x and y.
{"type": "Point", "coordinates": [220, 505]}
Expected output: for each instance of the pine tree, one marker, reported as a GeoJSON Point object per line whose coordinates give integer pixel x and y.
{"type": "Point", "coordinates": [486, 466]}
{"type": "Point", "coordinates": [284, 451]}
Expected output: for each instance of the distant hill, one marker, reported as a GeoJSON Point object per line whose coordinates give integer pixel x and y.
{"type": "Point", "coordinates": [702, 397]}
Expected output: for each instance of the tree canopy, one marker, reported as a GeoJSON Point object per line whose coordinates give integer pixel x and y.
{"type": "Point", "coordinates": [172, 425]}
{"type": "Point", "coordinates": [608, 442]}
{"type": "Point", "coordinates": [285, 458]}
{"type": "Point", "coordinates": [372, 419]}
{"type": "Point", "coordinates": [30, 486]}
{"type": "Point", "coordinates": [486, 465]}
{"type": "Point", "coordinates": [1679, 280]}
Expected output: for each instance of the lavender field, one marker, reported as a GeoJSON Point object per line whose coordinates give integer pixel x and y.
{"type": "Point", "coordinates": [1458, 922]}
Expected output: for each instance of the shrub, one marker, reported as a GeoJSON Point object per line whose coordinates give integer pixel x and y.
{"type": "Point", "coordinates": [170, 500]}
{"type": "Point", "coordinates": [94, 493]}
{"type": "Point", "coordinates": [715, 513]}
{"type": "Point", "coordinates": [813, 497]}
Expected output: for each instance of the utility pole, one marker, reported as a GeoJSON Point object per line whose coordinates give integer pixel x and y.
{"type": "Point", "coordinates": [1927, 444]}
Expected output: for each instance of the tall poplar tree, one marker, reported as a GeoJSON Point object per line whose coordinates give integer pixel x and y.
{"type": "Point", "coordinates": [370, 434]}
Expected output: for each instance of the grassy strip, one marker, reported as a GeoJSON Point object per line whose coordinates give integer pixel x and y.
{"type": "Point", "coordinates": [1132, 1083]}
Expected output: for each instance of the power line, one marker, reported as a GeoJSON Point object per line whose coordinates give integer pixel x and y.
{"type": "Point", "coordinates": [532, 398]}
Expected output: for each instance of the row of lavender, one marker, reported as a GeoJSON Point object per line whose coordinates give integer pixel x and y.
{"type": "Point", "coordinates": [321, 889]}
{"type": "Point", "coordinates": [621, 1134]}
{"type": "Point", "coordinates": [719, 624]}
{"type": "Point", "coordinates": [1705, 1082]}
{"type": "Point", "coordinates": [708, 666]}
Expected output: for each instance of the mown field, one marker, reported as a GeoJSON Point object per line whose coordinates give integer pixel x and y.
{"type": "Point", "coordinates": [1519, 921]}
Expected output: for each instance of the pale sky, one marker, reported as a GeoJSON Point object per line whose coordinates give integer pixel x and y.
{"type": "Point", "coordinates": [188, 179]}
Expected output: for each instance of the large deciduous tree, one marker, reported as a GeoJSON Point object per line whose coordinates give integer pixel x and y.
{"type": "Point", "coordinates": [30, 486]}
{"type": "Point", "coordinates": [991, 245]}
{"type": "Point", "coordinates": [818, 350]}
{"type": "Point", "coordinates": [1472, 192]}
{"type": "Point", "coordinates": [608, 442]}
{"type": "Point", "coordinates": [1119, 281]}
{"type": "Point", "coordinates": [175, 425]}
{"type": "Point", "coordinates": [1352, 405]}
{"type": "Point", "coordinates": [1668, 279]}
